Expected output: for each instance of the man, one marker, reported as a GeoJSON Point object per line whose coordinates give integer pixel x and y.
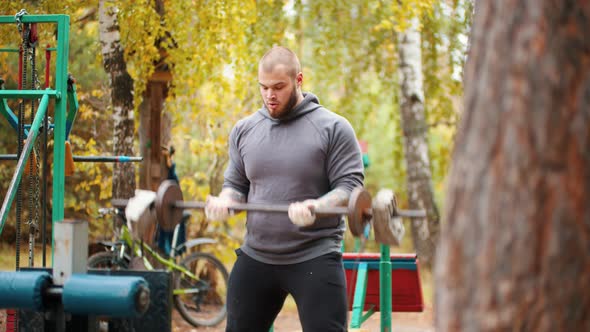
{"type": "Point", "coordinates": [291, 151]}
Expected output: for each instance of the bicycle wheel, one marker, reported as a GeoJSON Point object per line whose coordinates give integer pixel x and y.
{"type": "Point", "coordinates": [201, 300]}
{"type": "Point", "coordinates": [107, 260]}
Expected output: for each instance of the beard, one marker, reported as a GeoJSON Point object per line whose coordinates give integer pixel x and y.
{"type": "Point", "coordinates": [280, 113]}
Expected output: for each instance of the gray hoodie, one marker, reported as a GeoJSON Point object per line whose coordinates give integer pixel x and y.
{"type": "Point", "coordinates": [303, 155]}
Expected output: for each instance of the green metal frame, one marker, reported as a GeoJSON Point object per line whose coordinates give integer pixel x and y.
{"type": "Point", "coordinates": [358, 316]}
{"type": "Point", "coordinates": [20, 166]}
{"type": "Point", "coordinates": [10, 116]}
{"type": "Point", "coordinates": [360, 294]}
{"type": "Point", "coordinates": [385, 266]}
{"type": "Point", "coordinates": [58, 94]}
{"type": "Point", "coordinates": [385, 288]}
{"type": "Point", "coordinates": [72, 110]}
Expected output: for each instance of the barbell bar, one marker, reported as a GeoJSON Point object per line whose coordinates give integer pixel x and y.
{"type": "Point", "coordinates": [169, 205]}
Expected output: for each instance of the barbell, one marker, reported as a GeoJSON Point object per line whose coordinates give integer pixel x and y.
{"type": "Point", "coordinates": [169, 205]}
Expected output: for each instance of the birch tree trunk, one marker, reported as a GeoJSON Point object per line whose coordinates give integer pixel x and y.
{"type": "Point", "coordinates": [425, 232]}
{"type": "Point", "coordinates": [121, 98]}
{"type": "Point", "coordinates": [515, 250]}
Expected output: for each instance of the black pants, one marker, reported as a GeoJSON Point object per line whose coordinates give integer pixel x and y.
{"type": "Point", "coordinates": [257, 292]}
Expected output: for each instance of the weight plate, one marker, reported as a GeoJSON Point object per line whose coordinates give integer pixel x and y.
{"type": "Point", "coordinates": [167, 195]}
{"type": "Point", "coordinates": [387, 228]}
{"type": "Point", "coordinates": [359, 206]}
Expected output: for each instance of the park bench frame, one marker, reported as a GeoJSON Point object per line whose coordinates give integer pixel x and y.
{"type": "Point", "coordinates": [381, 284]}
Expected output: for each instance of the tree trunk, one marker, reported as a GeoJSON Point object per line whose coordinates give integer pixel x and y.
{"type": "Point", "coordinates": [515, 250]}
{"type": "Point", "coordinates": [154, 132]}
{"type": "Point", "coordinates": [122, 99]}
{"type": "Point", "coordinates": [425, 232]}
{"type": "Point", "coordinates": [155, 124]}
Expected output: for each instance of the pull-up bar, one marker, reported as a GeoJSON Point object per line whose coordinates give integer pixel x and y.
{"type": "Point", "coordinates": [88, 159]}
{"type": "Point", "coordinates": [29, 94]}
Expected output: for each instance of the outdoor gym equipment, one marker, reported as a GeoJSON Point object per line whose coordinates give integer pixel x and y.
{"type": "Point", "coordinates": [63, 298]}
{"type": "Point", "coordinates": [68, 298]}
{"type": "Point", "coordinates": [35, 290]}
{"type": "Point", "coordinates": [380, 282]}
{"type": "Point", "coordinates": [88, 159]}
{"type": "Point", "coordinates": [199, 279]}
{"type": "Point", "coordinates": [35, 101]}
{"type": "Point", "coordinates": [169, 205]}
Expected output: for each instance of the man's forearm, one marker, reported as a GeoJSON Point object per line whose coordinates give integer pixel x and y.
{"type": "Point", "coordinates": [336, 197]}
{"type": "Point", "coordinates": [232, 195]}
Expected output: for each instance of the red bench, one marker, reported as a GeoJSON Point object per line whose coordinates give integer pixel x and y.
{"type": "Point", "coordinates": [406, 290]}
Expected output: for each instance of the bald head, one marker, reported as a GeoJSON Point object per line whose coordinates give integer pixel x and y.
{"type": "Point", "coordinates": [280, 79]}
{"type": "Point", "coordinates": [280, 55]}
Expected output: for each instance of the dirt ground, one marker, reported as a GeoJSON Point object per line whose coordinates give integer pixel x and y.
{"type": "Point", "coordinates": [288, 321]}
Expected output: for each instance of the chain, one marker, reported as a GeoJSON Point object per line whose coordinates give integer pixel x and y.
{"type": "Point", "coordinates": [33, 174]}
{"type": "Point", "coordinates": [18, 17]}
{"type": "Point", "coordinates": [25, 32]}
{"type": "Point", "coordinates": [36, 84]}
{"type": "Point", "coordinates": [28, 56]}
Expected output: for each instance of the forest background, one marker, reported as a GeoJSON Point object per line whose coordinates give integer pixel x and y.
{"type": "Point", "coordinates": [350, 56]}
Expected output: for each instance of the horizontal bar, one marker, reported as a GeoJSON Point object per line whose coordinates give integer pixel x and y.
{"type": "Point", "coordinates": [16, 50]}
{"type": "Point", "coordinates": [51, 125]}
{"type": "Point", "coordinates": [374, 265]}
{"type": "Point", "coordinates": [114, 159]}
{"type": "Point", "coordinates": [28, 94]}
{"type": "Point", "coordinates": [261, 208]}
{"type": "Point", "coordinates": [237, 207]}
{"type": "Point", "coordinates": [325, 211]}
{"type": "Point", "coordinates": [54, 18]}
{"type": "Point", "coordinates": [410, 213]}
{"type": "Point", "coordinates": [119, 202]}
{"type": "Point", "coordinates": [371, 257]}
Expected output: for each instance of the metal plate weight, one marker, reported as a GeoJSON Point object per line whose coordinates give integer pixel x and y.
{"type": "Point", "coordinates": [359, 214]}
{"type": "Point", "coordinates": [167, 195]}
{"type": "Point", "coordinates": [387, 226]}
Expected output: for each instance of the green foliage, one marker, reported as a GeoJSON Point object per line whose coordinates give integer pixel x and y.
{"type": "Point", "coordinates": [349, 54]}
{"type": "Point", "coordinates": [89, 187]}
{"type": "Point", "coordinates": [443, 49]}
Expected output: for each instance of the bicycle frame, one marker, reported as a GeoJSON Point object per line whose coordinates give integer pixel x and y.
{"type": "Point", "coordinates": [199, 278]}
{"type": "Point", "coordinates": [169, 263]}
{"type": "Point", "coordinates": [125, 239]}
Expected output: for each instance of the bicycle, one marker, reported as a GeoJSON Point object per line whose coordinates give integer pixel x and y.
{"type": "Point", "coordinates": [199, 279]}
